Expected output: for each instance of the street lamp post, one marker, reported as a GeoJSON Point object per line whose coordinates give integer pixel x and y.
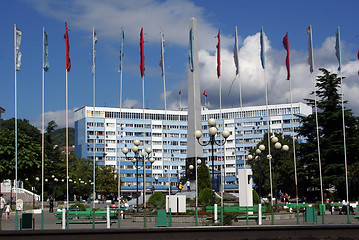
{"type": "Point", "coordinates": [259, 153]}
{"type": "Point", "coordinates": [277, 146]}
{"type": "Point", "coordinates": [152, 160]}
{"type": "Point", "coordinates": [212, 132]}
{"type": "Point", "coordinates": [135, 160]}
{"type": "Point", "coordinates": [125, 151]}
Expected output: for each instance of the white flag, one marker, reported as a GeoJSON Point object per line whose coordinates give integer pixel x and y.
{"type": "Point", "coordinates": [162, 61]}
{"type": "Point", "coordinates": [17, 48]}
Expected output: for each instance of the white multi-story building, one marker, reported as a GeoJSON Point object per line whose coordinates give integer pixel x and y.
{"type": "Point", "coordinates": [111, 129]}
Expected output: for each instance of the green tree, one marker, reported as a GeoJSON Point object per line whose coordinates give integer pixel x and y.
{"type": "Point", "coordinates": [204, 179]}
{"type": "Point", "coordinates": [331, 142]}
{"type": "Point", "coordinates": [282, 167]}
{"type": "Point", "coordinates": [105, 179]}
{"type": "Point", "coordinates": [157, 200]}
{"type": "Point", "coordinates": [29, 150]}
{"type": "Point", "coordinates": [205, 197]}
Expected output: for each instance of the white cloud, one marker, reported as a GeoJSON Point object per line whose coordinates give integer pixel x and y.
{"type": "Point", "coordinates": [173, 17]}
{"type": "Point", "coordinates": [132, 103]}
{"type": "Point", "coordinates": [108, 16]}
{"type": "Point", "coordinates": [252, 74]}
{"type": "Point", "coordinates": [58, 116]}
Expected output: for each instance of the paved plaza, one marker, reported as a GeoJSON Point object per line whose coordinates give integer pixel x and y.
{"type": "Point", "coordinates": [130, 222]}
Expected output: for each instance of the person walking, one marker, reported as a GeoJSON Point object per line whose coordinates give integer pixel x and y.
{"type": "Point", "coordinates": [51, 209]}
{"type": "Point", "coordinates": [2, 204]}
{"type": "Point", "coordinates": [7, 211]}
{"type": "Point", "coordinates": [188, 183]}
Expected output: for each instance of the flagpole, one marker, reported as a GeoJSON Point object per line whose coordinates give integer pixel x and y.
{"type": "Point", "coordinates": [165, 103]}
{"type": "Point", "coordinates": [144, 156]}
{"type": "Point", "coordinates": [43, 122]}
{"type": "Point", "coordinates": [142, 69]}
{"type": "Point", "coordinates": [344, 136]}
{"type": "Point", "coordinates": [269, 156]}
{"type": "Point", "coordinates": [241, 118]}
{"type": "Point", "coordinates": [119, 159]}
{"type": "Point", "coordinates": [236, 63]}
{"type": "Point", "coordinates": [15, 58]}
{"type": "Point", "coordinates": [67, 146]}
{"type": "Point", "coordinates": [311, 62]}
{"type": "Point", "coordinates": [94, 114]}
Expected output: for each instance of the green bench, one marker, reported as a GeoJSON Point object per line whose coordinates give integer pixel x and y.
{"type": "Point", "coordinates": [88, 216]}
{"type": "Point", "coordinates": [239, 209]}
{"type": "Point", "coordinates": [356, 217]}
{"type": "Point", "coordinates": [335, 207]}
{"type": "Point", "coordinates": [301, 206]}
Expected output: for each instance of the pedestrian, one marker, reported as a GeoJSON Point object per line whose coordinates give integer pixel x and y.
{"type": "Point", "coordinates": [7, 211]}
{"type": "Point", "coordinates": [188, 184]}
{"type": "Point", "coordinates": [180, 187]}
{"type": "Point", "coordinates": [2, 205]}
{"type": "Point", "coordinates": [51, 209]}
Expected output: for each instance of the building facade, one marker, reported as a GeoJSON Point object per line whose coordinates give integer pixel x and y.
{"type": "Point", "coordinates": [107, 131]}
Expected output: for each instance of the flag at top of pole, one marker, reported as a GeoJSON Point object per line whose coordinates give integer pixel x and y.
{"type": "Point", "coordinates": [219, 54]}
{"type": "Point", "coordinates": [286, 46]}
{"type": "Point", "coordinates": [121, 50]}
{"type": "Point", "coordinates": [235, 53]}
{"type": "Point", "coordinates": [337, 49]}
{"type": "Point", "coordinates": [162, 60]}
{"type": "Point", "coordinates": [94, 41]}
{"type": "Point", "coordinates": [46, 51]}
{"type": "Point", "coordinates": [205, 93]}
{"type": "Point", "coordinates": [68, 61]}
{"type": "Point", "coordinates": [142, 53]}
{"type": "Point", "coordinates": [310, 49]}
{"type": "Point", "coordinates": [262, 49]}
{"type": "Point", "coordinates": [18, 35]}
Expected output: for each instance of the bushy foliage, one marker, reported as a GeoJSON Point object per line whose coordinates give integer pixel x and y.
{"type": "Point", "coordinates": [256, 199]}
{"type": "Point", "coordinates": [204, 179]}
{"type": "Point", "coordinates": [157, 200]}
{"type": "Point", "coordinates": [205, 197]}
{"type": "Point", "coordinates": [81, 206]}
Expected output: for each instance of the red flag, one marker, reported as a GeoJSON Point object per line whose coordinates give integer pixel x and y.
{"type": "Point", "coordinates": [205, 93]}
{"type": "Point", "coordinates": [68, 61]}
{"type": "Point", "coordinates": [179, 92]}
{"type": "Point", "coordinates": [219, 54]}
{"type": "Point", "coordinates": [142, 63]}
{"type": "Point", "coordinates": [286, 46]}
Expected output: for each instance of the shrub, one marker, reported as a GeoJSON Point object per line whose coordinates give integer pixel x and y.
{"type": "Point", "coordinates": [205, 197]}
{"type": "Point", "coordinates": [157, 200]}
{"type": "Point", "coordinates": [81, 206]}
{"type": "Point", "coordinates": [228, 218]}
{"type": "Point", "coordinates": [256, 199]}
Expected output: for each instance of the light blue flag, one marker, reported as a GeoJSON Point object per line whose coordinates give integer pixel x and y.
{"type": "Point", "coordinates": [337, 49]}
{"type": "Point", "coordinates": [262, 50]}
{"type": "Point", "coordinates": [190, 51]}
{"type": "Point", "coordinates": [121, 51]}
{"type": "Point", "coordinates": [45, 52]}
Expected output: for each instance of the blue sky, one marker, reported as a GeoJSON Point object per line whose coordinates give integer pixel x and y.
{"type": "Point", "coordinates": [108, 16]}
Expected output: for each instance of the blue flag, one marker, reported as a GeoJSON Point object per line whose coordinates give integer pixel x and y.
{"type": "Point", "coordinates": [262, 50]}
{"type": "Point", "coordinates": [121, 51]}
{"type": "Point", "coordinates": [45, 52]}
{"type": "Point", "coordinates": [190, 51]}
{"type": "Point", "coordinates": [337, 49]}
